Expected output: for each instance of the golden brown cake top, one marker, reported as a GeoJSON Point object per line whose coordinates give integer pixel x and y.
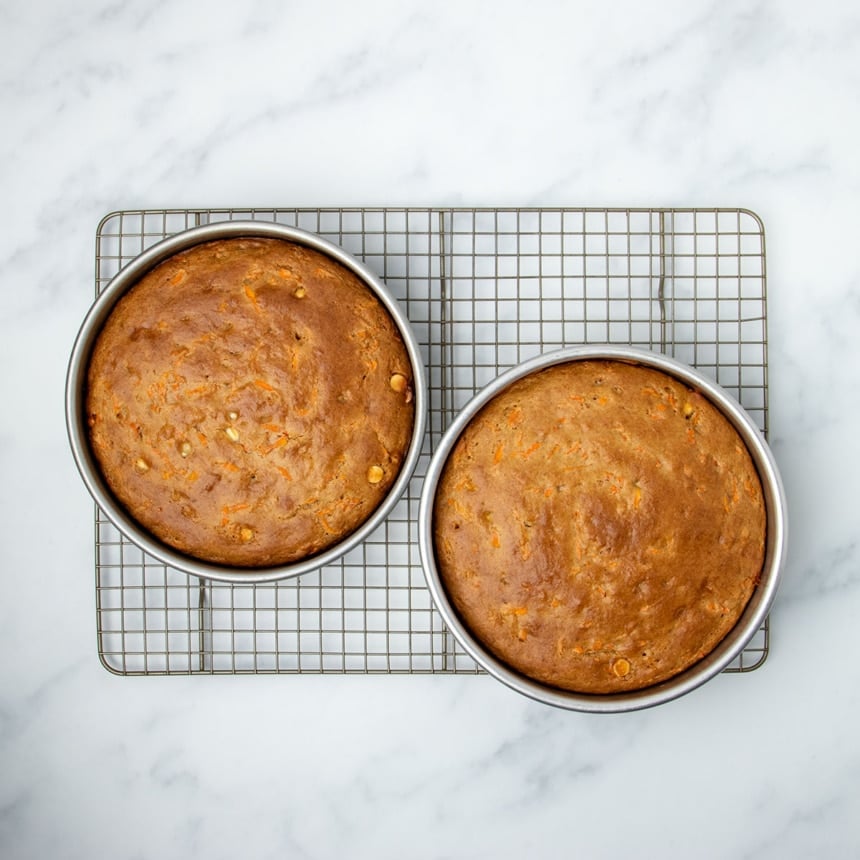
{"type": "Point", "coordinates": [250, 401]}
{"type": "Point", "coordinates": [599, 526]}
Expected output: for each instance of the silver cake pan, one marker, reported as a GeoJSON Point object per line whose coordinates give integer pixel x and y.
{"type": "Point", "coordinates": [755, 612]}
{"type": "Point", "coordinates": [76, 397]}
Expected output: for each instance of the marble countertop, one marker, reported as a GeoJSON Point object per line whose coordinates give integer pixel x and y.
{"type": "Point", "coordinates": [119, 105]}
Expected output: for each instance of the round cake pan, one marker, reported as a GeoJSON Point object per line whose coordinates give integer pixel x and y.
{"type": "Point", "coordinates": [748, 624]}
{"type": "Point", "coordinates": [76, 396]}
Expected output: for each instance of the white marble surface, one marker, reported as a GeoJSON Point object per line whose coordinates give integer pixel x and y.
{"type": "Point", "coordinates": [153, 104]}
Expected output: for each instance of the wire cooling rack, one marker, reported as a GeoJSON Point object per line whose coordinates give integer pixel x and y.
{"type": "Point", "coordinates": [484, 289]}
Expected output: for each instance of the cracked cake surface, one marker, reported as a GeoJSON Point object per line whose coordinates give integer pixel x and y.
{"type": "Point", "coordinates": [250, 401]}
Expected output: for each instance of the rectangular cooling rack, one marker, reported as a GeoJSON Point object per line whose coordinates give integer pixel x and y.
{"type": "Point", "coordinates": [484, 289]}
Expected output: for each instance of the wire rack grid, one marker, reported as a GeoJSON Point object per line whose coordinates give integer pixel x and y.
{"type": "Point", "coordinates": [484, 288]}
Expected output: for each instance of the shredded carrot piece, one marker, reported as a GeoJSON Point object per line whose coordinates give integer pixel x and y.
{"type": "Point", "coordinates": [285, 472]}
{"type": "Point", "coordinates": [514, 610]}
{"type": "Point", "coordinates": [261, 383]}
{"type": "Point", "coordinates": [232, 509]}
{"type": "Point", "coordinates": [497, 457]}
{"type": "Point", "coordinates": [253, 297]}
{"type": "Point", "coordinates": [321, 516]}
{"type": "Point", "coordinates": [269, 448]}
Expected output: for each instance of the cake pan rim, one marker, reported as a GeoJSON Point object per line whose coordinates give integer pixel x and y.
{"type": "Point", "coordinates": [75, 393]}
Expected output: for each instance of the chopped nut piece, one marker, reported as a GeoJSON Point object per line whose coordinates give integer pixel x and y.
{"type": "Point", "coordinates": [246, 533]}
{"type": "Point", "coordinates": [232, 415]}
{"type": "Point", "coordinates": [688, 410]}
{"type": "Point", "coordinates": [375, 474]}
{"type": "Point", "coordinates": [232, 434]}
{"type": "Point", "coordinates": [184, 448]}
{"type": "Point", "coordinates": [398, 382]}
{"type": "Point", "coordinates": [300, 292]}
{"type": "Point", "coordinates": [141, 465]}
{"type": "Point", "coordinates": [621, 667]}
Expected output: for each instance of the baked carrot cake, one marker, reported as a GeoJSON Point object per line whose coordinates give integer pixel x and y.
{"type": "Point", "coordinates": [250, 402]}
{"type": "Point", "coordinates": [599, 526]}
